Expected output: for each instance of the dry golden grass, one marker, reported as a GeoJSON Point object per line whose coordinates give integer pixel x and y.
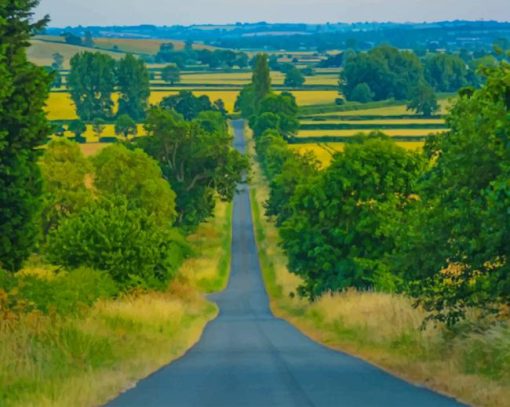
{"type": "Point", "coordinates": [383, 329]}
{"type": "Point", "coordinates": [314, 97]}
{"type": "Point", "coordinates": [41, 52]}
{"type": "Point", "coordinates": [86, 361]}
{"type": "Point", "coordinates": [208, 269]}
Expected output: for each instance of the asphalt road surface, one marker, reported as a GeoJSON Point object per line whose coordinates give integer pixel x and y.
{"type": "Point", "coordinates": [247, 357]}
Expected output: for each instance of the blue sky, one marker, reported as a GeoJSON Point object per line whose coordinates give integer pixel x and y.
{"type": "Point", "coordinates": [170, 12]}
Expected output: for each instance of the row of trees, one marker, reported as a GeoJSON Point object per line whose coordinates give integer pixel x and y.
{"type": "Point", "coordinates": [385, 72]}
{"type": "Point", "coordinates": [213, 58]}
{"type": "Point", "coordinates": [434, 225]}
{"type": "Point", "coordinates": [93, 79]}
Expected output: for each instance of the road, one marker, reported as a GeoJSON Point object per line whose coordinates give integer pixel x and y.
{"type": "Point", "coordinates": [247, 357]}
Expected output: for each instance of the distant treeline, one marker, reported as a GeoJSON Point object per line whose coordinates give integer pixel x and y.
{"type": "Point", "coordinates": [440, 35]}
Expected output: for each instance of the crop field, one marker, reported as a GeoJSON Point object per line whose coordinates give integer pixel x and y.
{"type": "Point", "coordinates": [315, 97]}
{"type": "Point", "coordinates": [398, 110]}
{"type": "Point", "coordinates": [325, 151]}
{"type": "Point", "coordinates": [352, 132]}
{"type": "Point", "coordinates": [375, 122]}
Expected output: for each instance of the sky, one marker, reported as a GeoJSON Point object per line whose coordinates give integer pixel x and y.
{"type": "Point", "coordinates": [171, 12]}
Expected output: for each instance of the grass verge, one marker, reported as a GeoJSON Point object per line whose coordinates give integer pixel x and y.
{"type": "Point", "coordinates": [384, 329]}
{"type": "Point", "coordinates": [88, 357]}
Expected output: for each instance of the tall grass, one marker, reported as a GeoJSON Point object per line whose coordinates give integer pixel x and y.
{"type": "Point", "coordinates": [208, 270]}
{"type": "Point", "coordinates": [84, 361]}
{"type": "Point", "coordinates": [88, 357]}
{"type": "Point", "coordinates": [386, 329]}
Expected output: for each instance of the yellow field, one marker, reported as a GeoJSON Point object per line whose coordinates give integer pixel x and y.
{"type": "Point", "coordinates": [324, 151]}
{"type": "Point", "coordinates": [315, 97]}
{"type": "Point", "coordinates": [376, 122]}
{"type": "Point", "coordinates": [61, 107]}
{"type": "Point", "coordinates": [350, 133]}
{"type": "Point", "coordinates": [391, 110]}
{"type": "Point", "coordinates": [322, 80]}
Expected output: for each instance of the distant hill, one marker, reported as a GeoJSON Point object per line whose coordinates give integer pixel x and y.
{"type": "Point", "coordinates": [44, 46]}
{"type": "Point", "coordinates": [443, 35]}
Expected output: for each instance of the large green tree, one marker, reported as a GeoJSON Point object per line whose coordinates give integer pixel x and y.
{"type": "Point", "coordinates": [134, 87]}
{"type": "Point", "coordinates": [198, 163]}
{"type": "Point", "coordinates": [23, 128]}
{"type": "Point", "coordinates": [453, 243]}
{"type": "Point", "coordinates": [387, 71]}
{"type": "Point", "coordinates": [91, 82]}
{"type": "Point", "coordinates": [337, 235]}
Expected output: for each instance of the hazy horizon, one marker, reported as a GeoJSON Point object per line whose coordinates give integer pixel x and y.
{"type": "Point", "coordinates": [160, 12]}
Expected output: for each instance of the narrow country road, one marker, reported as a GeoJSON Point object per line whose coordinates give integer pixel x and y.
{"type": "Point", "coordinates": [247, 357]}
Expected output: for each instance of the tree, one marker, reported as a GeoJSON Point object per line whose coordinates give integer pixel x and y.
{"type": "Point", "coordinates": [294, 78]}
{"type": "Point", "coordinates": [127, 243]}
{"type": "Point", "coordinates": [23, 129]}
{"type": "Point", "coordinates": [362, 93]}
{"type": "Point", "coordinates": [388, 72]}
{"type": "Point", "coordinates": [445, 72]}
{"type": "Point", "coordinates": [336, 236]}
{"type": "Point", "coordinates": [187, 104]}
{"type": "Point", "coordinates": [64, 170]}
{"type": "Point", "coordinates": [261, 79]}
{"type": "Point", "coordinates": [126, 126]}
{"type": "Point", "coordinates": [91, 83]}
{"type": "Point", "coordinates": [279, 111]}
{"type": "Point", "coordinates": [424, 100]}
{"type": "Point", "coordinates": [88, 41]}
{"type": "Point", "coordinates": [134, 87]}
{"type": "Point", "coordinates": [197, 163]}
{"type": "Point", "coordinates": [171, 74]}
{"type": "Point", "coordinates": [58, 61]}
{"type": "Point", "coordinates": [72, 39]}
{"type": "Point", "coordinates": [78, 127]}
{"type": "Point", "coordinates": [98, 126]}
{"type": "Point", "coordinates": [453, 242]}
{"type": "Point", "coordinates": [136, 177]}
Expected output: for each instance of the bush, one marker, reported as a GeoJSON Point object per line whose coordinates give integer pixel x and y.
{"type": "Point", "coordinates": [63, 293]}
{"type": "Point", "coordinates": [127, 243]}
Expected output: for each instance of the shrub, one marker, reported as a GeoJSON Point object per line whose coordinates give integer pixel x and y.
{"type": "Point", "coordinates": [64, 293]}
{"type": "Point", "coordinates": [127, 243]}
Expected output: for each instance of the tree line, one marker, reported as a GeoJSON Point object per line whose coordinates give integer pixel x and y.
{"type": "Point", "coordinates": [124, 212]}
{"type": "Point", "coordinates": [385, 72]}
{"type": "Point", "coordinates": [431, 224]}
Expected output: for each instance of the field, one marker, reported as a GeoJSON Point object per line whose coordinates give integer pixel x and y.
{"type": "Point", "coordinates": [350, 133]}
{"type": "Point", "coordinates": [61, 107]}
{"type": "Point", "coordinates": [325, 151]}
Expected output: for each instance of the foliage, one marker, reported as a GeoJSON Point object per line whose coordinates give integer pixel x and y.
{"type": "Point", "coordinates": [336, 236]}
{"type": "Point", "coordinates": [91, 82]}
{"type": "Point", "coordinates": [127, 243]}
{"type": "Point", "coordinates": [171, 74]}
{"type": "Point", "coordinates": [23, 128]}
{"type": "Point", "coordinates": [78, 127]}
{"type": "Point", "coordinates": [98, 126]}
{"type": "Point", "coordinates": [136, 177]}
{"type": "Point", "coordinates": [423, 100]}
{"type": "Point", "coordinates": [126, 126]}
{"type": "Point", "coordinates": [67, 292]}
{"type": "Point", "coordinates": [453, 244]}
{"type": "Point", "coordinates": [445, 72]}
{"type": "Point", "coordinates": [197, 163]}
{"type": "Point", "coordinates": [388, 72]}
{"type": "Point", "coordinates": [64, 170]}
{"type": "Point", "coordinates": [294, 78]}
{"type": "Point", "coordinates": [187, 104]}
{"type": "Point", "coordinates": [134, 87]}
{"type": "Point", "coordinates": [362, 93]}
{"type": "Point", "coordinates": [277, 112]}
